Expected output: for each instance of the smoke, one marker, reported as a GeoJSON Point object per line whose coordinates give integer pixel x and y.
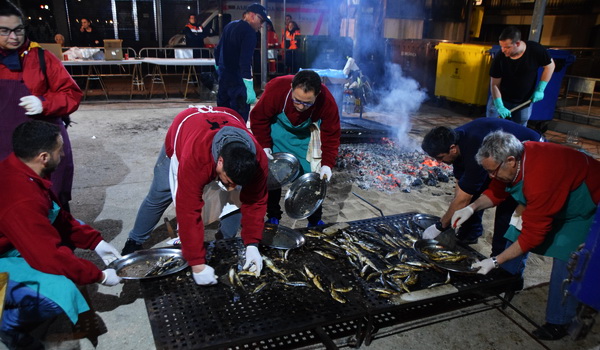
{"type": "Point", "coordinates": [398, 99]}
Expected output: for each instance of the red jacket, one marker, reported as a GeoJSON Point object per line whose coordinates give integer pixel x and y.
{"type": "Point", "coordinates": [24, 206]}
{"type": "Point", "coordinates": [550, 172]}
{"type": "Point", "coordinates": [271, 104]}
{"type": "Point", "coordinates": [197, 168]}
{"type": "Point", "coordinates": [59, 93]}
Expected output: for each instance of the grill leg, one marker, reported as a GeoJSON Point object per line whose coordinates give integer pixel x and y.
{"type": "Point", "coordinates": [325, 339]}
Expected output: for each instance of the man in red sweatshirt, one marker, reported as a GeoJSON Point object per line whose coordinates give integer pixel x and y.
{"type": "Point", "coordinates": [37, 238]}
{"type": "Point", "coordinates": [212, 147]}
{"type": "Point", "coordinates": [282, 120]}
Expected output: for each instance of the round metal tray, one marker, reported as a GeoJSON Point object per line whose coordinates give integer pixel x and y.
{"type": "Point", "coordinates": [463, 266]}
{"type": "Point", "coordinates": [281, 237]}
{"type": "Point", "coordinates": [283, 169]}
{"type": "Point", "coordinates": [425, 220]}
{"type": "Point", "coordinates": [137, 265]}
{"type": "Point", "coordinates": [305, 195]}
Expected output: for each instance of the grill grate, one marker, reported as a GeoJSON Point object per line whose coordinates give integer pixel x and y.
{"type": "Point", "coordinates": [186, 316]}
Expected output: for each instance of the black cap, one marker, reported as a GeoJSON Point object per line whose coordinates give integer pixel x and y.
{"type": "Point", "coordinates": [259, 10]}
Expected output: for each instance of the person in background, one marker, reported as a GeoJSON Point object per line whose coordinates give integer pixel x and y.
{"type": "Point", "coordinates": [292, 111]}
{"type": "Point", "coordinates": [37, 239]}
{"type": "Point", "coordinates": [59, 39]}
{"type": "Point", "coordinates": [514, 76]}
{"type": "Point", "coordinates": [458, 147]}
{"type": "Point", "coordinates": [88, 36]}
{"type": "Point", "coordinates": [290, 45]}
{"type": "Point", "coordinates": [233, 57]}
{"type": "Point", "coordinates": [194, 33]}
{"type": "Point", "coordinates": [211, 147]}
{"type": "Point", "coordinates": [34, 85]}
{"type": "Point", "coordinates": [287, 20]}
{"type": "Point", "coordinates": [559, 188]}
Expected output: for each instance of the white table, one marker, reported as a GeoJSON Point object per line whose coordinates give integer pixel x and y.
{"type": "Point", "coordinates": [94, 74]}
{"type": "Point", "coordinates": [188, 63]}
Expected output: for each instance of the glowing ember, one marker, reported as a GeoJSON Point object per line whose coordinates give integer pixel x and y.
{"type": "Point", "coordinates": [389, 168]}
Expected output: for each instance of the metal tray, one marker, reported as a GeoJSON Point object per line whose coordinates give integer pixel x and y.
{"type": "Point", "coordinates": [425, 220]}
{"type": "Point", "coordinates": [136, 265]}
{"type": "Point", "coordinates": [283, 169]}
{"type": "Point", "coordinates": [463, 266]}
{"type": "Point", "coordinates": [305, 195]}
{"type": "Point", "coordinates": [281, 237]}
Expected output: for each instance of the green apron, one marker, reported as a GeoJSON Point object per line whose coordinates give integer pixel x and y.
{"type": "Point", "coordinates": [570, 225]}
{"type": "Point", "coordinates": [57, 288]}
{"type": "Point", "coordinates": [290, 138]}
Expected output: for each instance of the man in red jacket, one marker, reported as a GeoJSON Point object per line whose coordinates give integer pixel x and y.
{"type": "Point", "coordinates": [560, 190]}
{"type": "Point", "coordinates": [282, 120]}
{"type": "Point", "coordinates": [211, 147]}
{"type": "Point", "coordinates": [37, 238]}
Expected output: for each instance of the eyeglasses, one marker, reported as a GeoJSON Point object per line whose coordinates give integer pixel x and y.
{"type": "Point", "coordinates": [262, 20]}
{"type": "Point", "coordinates": [18, 31]}
{"type": "Point", "coordinates": [495, 172]}
{"type": "Point", "coordinates": [305, 104]}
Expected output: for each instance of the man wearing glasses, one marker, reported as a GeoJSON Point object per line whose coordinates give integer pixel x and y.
{"type": "Point", "coordinates": [233, 56]}
{"type": "Point", "coordinates": [281, 122]}
{"type": "Point", "coordinates": [458, 147]}
{"type": "Point", "coordinates": [560, 190]}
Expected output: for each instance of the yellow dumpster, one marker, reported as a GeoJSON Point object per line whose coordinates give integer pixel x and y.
{"type": "Point", "coordinates": [463, 72]}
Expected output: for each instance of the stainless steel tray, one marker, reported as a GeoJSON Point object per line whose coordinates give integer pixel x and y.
{"type": "Point", "coordinates": [305, 195]}
{"type": "Point", "coordinates": [137, 265]}
{"type": "Point", "coordinates": [424, 220]}
{"type": "Point", "coordinates": [283, 169]}
{"type": "Point", "coordinates": [463, 266]}
{"type": "Point", "coordinates": [282, 237]}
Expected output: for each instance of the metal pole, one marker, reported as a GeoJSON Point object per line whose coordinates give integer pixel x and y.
{"type": "Point", "coordinates": [537, 20]}
{"type": "Point", "coordinates": [467, 36]}
{"type": "Point", "coordinates": [263, 51]}
{"type": "Point", "coordinates": [158, 22]}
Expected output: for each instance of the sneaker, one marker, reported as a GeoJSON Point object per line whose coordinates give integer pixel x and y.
{"type": "Point", "coordinates": [174, 241]}
{"type": "Point", "coordinates": [318, 223]}
{"type": "Point", "coordinates": [130, 247]}
{"type": "Point", "coordinates": [273, 221]}
{"type": "Point", "coordinates": [551, 331]}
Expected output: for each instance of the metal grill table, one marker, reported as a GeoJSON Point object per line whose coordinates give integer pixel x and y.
{"type": "Point", "coordinates": [186, 316]}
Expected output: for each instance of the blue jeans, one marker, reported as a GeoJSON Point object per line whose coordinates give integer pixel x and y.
{"type": "Point", "coordinates": [520, 116]}
{"type": "Point", "coordinates": [158, 200]}
{"type": "Point", "coordinates": [557, 312]}
{"type": "Point", "coordinates": [25, 308]}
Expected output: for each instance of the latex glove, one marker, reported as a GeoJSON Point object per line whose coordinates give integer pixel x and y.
{"type": "Point", "coordinates": [538, 94]}
{"type": "Point", "coordinates": [250, 94]}
{"type": "Point", "coordinates": [484, 266]}
{"type": "Point", "coordinates": [205, 277]}
{"type": "Point", "coordinates": [325, 172]}
{"type": "Point", "coordinates": [253, 260]}
{"type": "Point", "coordinates": [460, 216]}
{"type": "Point", "coordinates": [110, 278]}
{"type": "Point", "coordinates": [32, 104]}
{"type": "Point", "coordinates": [269, 153]}
{"type": "Point", "coordinates": [503, 111]}
{"type": "Point", "coordinates": [107, 252]}
{"type": "Point", "coordinates": [431, 232]}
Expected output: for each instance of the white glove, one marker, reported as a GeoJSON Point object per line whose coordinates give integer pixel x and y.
{"type": "Point", "coordinates": [110, 277]}
{"type": "Point", "coordinates": [325, 172]}
{"type": "Point", "coordinates": [460, 216]}
{"type": "Point", "coordinates": [269, 153]}
{"type": "Point", "coordinates": [484, 266]}
{"type": "Point", "coordinates": [205, 277]}
{"type": "Point", "coordinates": [107, 252]}
{"type": "Point", "coordinates": [431, 232]}
{"type": "Point", "coordinates": [32, 105]}
{"type": "Point", "coordinates": [253, 260]}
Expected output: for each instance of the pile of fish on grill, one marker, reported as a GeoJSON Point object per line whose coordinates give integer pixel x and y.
{"type": "Point", "coordinates": [382, 260]}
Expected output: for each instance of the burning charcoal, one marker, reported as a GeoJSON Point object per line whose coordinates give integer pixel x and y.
{"type": "Point", "coordinates": [431, 181]}
{"type": "Point", "coordinates": [441, 177]}
{"type": "Point", "coordinates": [406, 190]}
